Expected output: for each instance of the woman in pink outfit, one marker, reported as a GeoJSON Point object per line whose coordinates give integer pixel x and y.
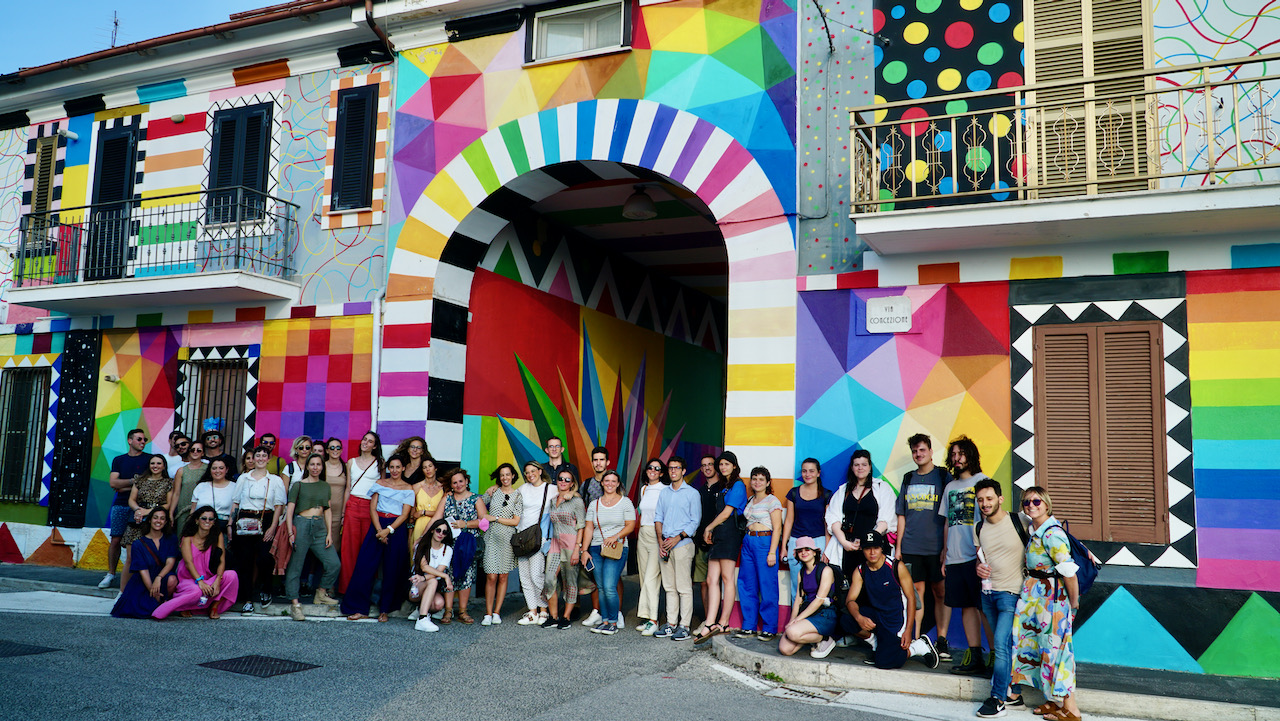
{"type": "Point", "coordinates": [204, 584]}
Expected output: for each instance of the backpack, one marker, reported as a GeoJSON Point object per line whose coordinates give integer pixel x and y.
{"type": "Point", "coordinates": [1087, 572]}
{"type": "Point", "coordinates": [839, 584]}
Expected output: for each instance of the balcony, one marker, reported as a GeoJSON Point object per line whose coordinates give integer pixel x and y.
{"type": "Point", "coordinates": [227, 245]}
{"type": "Point", "coordinates": [1168, 153]}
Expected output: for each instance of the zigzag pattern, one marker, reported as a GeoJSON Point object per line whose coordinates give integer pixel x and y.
{"type": "Point", "coordinates": [185, 385]}
{"type": "Point", "coordinates": [51, 361]}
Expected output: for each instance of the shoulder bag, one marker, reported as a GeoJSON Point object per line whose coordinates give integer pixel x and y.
{"type": "Point", "coordinates": [527, 542]}
{"type": "Point", "coordinates": [606, 551]}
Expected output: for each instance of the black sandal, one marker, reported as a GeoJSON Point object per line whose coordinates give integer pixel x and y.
{"type": "Point", "coordinates": [713, 630]}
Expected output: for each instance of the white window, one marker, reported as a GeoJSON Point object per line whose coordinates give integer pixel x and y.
{"type": "Point", "coordinates": [578, 29]}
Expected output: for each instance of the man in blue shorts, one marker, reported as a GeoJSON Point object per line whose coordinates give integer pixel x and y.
{"type": "Point", "coordinates": [890, 601]}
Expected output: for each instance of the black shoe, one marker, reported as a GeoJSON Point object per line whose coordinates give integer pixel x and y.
{"type": "Point", "coordinates": [265, 598]}
{"type": "Point", "coordinates": [991, 708]}
{"type": "Point", "coordinates": [1014, 702]}
{"type": "Point", "coordinates": [970, 664]}
{"type": "Point", "coordinates": [550, 622]}
{"type": "Point", "coordinates": [944, 650]}
{"type": "Point", "coordinates": [563, 623]}
{"type": "Point", "coordinates": [930, 658]}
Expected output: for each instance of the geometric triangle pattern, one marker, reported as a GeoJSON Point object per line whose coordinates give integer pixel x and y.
{"type": "Point", "coordinates": [1247, 646]}
{"type": "Point", "coordinates": [1172, 312]}
{"type": "Point", "coordinates": [188, 376]}
{"type": "Point", "coordinates": [1122, 633]}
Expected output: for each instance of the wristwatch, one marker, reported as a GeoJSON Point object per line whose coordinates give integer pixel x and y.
{"type": "Point", "coordinates": [682, 535]}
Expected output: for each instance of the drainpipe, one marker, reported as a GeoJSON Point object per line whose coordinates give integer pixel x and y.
{"type": "Point", "coordinates": [368, 18]}
{"type": "Point", "coordinates": [375, 368]}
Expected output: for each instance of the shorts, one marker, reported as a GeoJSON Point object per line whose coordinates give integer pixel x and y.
{"type": "Point", "coordinates": [700, 566]}
{"type": "Point", "coordinates": [824, 621]}
{"type": "Point", "coordinates": [964, 590]}
{"type": "Point", "coordinates": [924, 568]}
{"type": "Point", "coordinates": [726, 541]}
{"type": "Point", "coordinates": [120, 517]}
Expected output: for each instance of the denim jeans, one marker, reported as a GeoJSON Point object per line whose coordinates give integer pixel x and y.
{"type": "Point", "coordinates": [607, 573]}
{"type": "Point", "coordinates": [999, 607]}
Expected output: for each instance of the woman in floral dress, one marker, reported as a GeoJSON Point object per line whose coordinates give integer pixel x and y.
{"type": "Point", "coordinates": [466, 509]}
{"type": "Point", "coordinates": [1043, 653]}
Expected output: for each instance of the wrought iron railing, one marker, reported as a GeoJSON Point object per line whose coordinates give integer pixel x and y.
{"type": "Point", "coordinates": [222, 229]}
{"type": "Point", "coordinates": [1173, 127]}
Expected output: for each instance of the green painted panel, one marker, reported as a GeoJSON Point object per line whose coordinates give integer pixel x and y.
{"type": "Point", "coordinates": [1236, 392]}
{"type": "Point", "coordinates": [1155, 261]}
{"type": "Point", "coordinates": [150, 320]}
{"type": "Point", "coordinates": [515, 145]}
{"type": "Point", "coordinates": [166, 233]}
{"type": "Point", "coordinates": [1247, 646]}
{"type": "Point", "coordinates": [1239, 423]}
{"type": "Point", "coordinates": [478, 158]}
{"type": "Point", "coordinates": [506, 265]}
{"type": "Point", "coordinates": [695, 379]}
{"type": "Point", "coordinates": [31, 513]}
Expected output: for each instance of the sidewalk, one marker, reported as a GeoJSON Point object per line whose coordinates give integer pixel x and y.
{"type": "Point", "coordinates": [1104, 690]}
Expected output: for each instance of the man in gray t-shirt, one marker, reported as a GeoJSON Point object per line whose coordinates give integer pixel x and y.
{"type": "Point", "coordinates": [960, 554]}
{"type": "Point", "coordinates": [920, 528]}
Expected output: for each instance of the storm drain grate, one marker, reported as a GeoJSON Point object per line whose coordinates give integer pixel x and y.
{"type": "Point", "coordinates": [795, 694]}
{"type": "Point", "coordinates": [9, 649]}
{"type": "Point", "coordinates": [260, 666]}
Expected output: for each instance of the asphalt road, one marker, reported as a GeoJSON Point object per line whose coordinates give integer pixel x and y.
{"type": "Point", "coordinates": [106, 668]}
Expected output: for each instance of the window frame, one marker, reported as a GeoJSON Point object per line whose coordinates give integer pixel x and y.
{"type": "Point", "coordinates": [238, 117]}
{"type": "Point", "coordinates": [551, 10]}
{"type": "Point", "coordinates": [34, 434]}
{"type": "Point", "coordinates": [337, 202]}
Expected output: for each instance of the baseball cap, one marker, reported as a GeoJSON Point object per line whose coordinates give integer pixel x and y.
{"type": "Point", "coordinates": [873, 539]}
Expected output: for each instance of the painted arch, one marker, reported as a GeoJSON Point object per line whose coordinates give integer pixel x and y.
{"type": "Point", "coordinates": [760, 409]}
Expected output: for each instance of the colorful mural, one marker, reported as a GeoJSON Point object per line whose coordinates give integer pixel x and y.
{"type": "Point", "coordinates": [1233, 321]}
{"type": "Point", "coordinates": [948, 376]}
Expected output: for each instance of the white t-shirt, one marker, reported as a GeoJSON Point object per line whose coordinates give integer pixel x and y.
{"type": "Point", "coordinates": [175, 462]}
{"type": "Point", "coordinates": [531, 497]}
{"type": "Point", "coordinates": [260, 494]}
{"type": "Point", "coordinates": [221, 499]}
{"type": "Point", "coordinates": [609, 520]}
{"type": "Point", "coordinates": [362, 482]}
{"type": "Point", "coordinates": [442, 556]}
{"type": "Point", "coordinates": [761, 512]}
{"type": "Point", "coordinates": [649, 495]}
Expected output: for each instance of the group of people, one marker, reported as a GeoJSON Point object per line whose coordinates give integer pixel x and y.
{"type": "Point", "coordinates": [861, 558]}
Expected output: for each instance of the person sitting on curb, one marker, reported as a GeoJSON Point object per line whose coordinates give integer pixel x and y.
{"type": "Point", "coordinates": [891, 600]}
{"type": "Point", "coordinates": [813, 614]}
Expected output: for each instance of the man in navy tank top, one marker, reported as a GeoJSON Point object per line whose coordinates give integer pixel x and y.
{"type": "Point", "coordinates": [889, 602]}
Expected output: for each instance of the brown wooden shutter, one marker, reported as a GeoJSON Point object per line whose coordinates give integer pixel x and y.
{"type": "Point", "coordinates": [1133, 432]}
{"type": "Point", "coordinates": [46, 161]}
{"type": "Point", "coordinates": [1065, 433]}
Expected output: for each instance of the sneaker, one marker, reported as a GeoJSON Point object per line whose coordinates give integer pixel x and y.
{"type": "Point", "coordinates": [593, 619]}
{"type": "Point", "coordinates": [542, 615]}
{"type": "Point", "coordinates": [438, 615]}
{"type": "Point", "coordinates": [107, 580]}
{"type": "Point", "coordinates": [295, 612]}
{"type": "Point", "coordinates": [823, 648]}
{"type": "Point", "coordinates": [413, 615]}
{"type": "Point", "coordinates": [970, 664]}
{"type": "Point", "coordinates": [265, 598]}
{"type": "Point", "coordinates": [929, 655]}
{"type": "Point", "coordinates": [425, 624]}
{"type": "Point", "coordinates": [1014, 702]}
{"type": "Point", "coordinates": [944, 650]}
{"type": "Point", "coordinates": [765, 636]}
{"type": "Point", "coordinates": [599, 627]}
{"type": "Point", "coordinates": [608, 629]}
{"type": "Point", "coordinates": [563, 623]}
{"type": "Point", "coordinates": [869, 660]}
{"type": "Point", "coordinates": [845, 641]}
{"type": "Point", "coordinates": [487, 621]}
{"type": "Point", "coordinates": [622, 621]}
{"type": "Point", "coordinates": [528, 619]}
{"type": "Point", "coordinates": [247, 609]}
{"type": "Point", "coordinates": [680, 634]}
{"type": "Point", "coordinates": [648, 628]}
{"type": "Point", "coordinates": [497, 619]}
{"type": "Point", "coordinates": [664, 631]}
{"type": "Point", "coordinates": [549, 622]}
{"type": "Point", "coordinates": [991, 708]}
{"type": "Point", "coordinates": [743, 633]}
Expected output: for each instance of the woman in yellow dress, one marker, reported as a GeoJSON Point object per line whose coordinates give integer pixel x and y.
{"type": "Point", "coordinates": [427, 494]}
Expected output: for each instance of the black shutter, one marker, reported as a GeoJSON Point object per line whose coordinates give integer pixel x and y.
{"type": "Point", "coordinates": [241, 142]}
{"type": "Point", "coordinates": [353, 148]}
{"type": "Point", "coordinates": [115, 169]}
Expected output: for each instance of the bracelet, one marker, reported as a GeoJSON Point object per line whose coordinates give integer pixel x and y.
{"type": "Point", "coordinates": [198, 580]}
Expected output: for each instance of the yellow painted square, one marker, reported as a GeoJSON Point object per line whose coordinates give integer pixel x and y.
{"type": "Point", "coordinates": [1044, 266]}
{"type": "Point", "coordinates": [195, 317]}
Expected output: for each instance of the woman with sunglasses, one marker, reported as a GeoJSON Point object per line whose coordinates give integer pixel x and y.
{"type": "Point", "coordinates": [363, 473]}
{"type": "Point", "coordinates": [648, 555]}
{"type": "Point", "coordinates": [537, 497]}
{"type": "Point", "coordinates": [291, 472]}
{"type": "Point", "coordinates": [431, 582]}
{"type": "Point", "coordinates": [505, 509]}
{"type": "Point", "coordinates": [465, 509]}
{"type": "Point", "coordinates": [216, 490]}
{"type": "Point", "coordinates": [335, 474]}
{"type": "Point", "coordinates": [185, 480]}
{"type": "Point", "coordinates": [1043, 653]}
{"type": "Point", "coordinates": [610, 520]}
{"type": "Point", "coordinates": [308, 523]}
{"type": "Point", "coordinates": [151, 560]}
{"type": "Point", "coordinates": [385, 548]}
{"type": "Point", "coordinates": [204, 583]}
{"type": "Point", "coordinates": [568, 522]}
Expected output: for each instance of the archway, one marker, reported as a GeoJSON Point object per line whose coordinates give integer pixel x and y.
{"type": "Point", "coordinates": [759, 242]}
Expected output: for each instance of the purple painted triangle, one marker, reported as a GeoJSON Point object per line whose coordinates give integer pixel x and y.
{"type": "Point", "coordinates": [410, 182]}
{"type": "Point", "coordinates": [878, 373]}
{"type": "Point", "coordinates": [819, 365]}
{"type": "Point", "coordinates": [560, 286]}
{"type": "Point", "coordinates": [418, 150]}
{"type": "Point", "coordinates": [773, 9]}
{"type": "Point", "coordinates": [783, 96]}
{"type": "Point", "coordinates": [829, 312]}
{"type": "Point", "coordinates": [782, 31]}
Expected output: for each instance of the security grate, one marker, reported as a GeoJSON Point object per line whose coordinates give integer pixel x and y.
{"type": "Point", "coordinates": [9, 649]}
{"type": "Point", "coordinates": [260, 666]}
{"type": "Point", "coordinates": [24, 414]}
{"type": "Point", "coordinates": [804, 695]}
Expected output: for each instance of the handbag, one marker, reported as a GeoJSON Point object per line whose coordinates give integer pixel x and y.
{"type": "Point", "coordinates": [606, 551]}
{"type": "Point", "coordinates": [527, 542]}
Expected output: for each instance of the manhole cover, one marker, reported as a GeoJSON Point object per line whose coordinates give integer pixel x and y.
{"type": "Point", "coordinates": [260, 666]}
{"type": "Point", "coordinates": [8, 649]}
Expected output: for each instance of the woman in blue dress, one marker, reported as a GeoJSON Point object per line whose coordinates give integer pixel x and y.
{"type": "Point", "coordinates": [152, 560]}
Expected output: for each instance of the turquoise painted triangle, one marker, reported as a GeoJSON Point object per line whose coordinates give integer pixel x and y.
{"type": "Point", "coordinates": [673, 77]}
{"type": "Point", "coordinates": [822, 445]}
{"type": "Point", "coordinates": [546, 417]}
{"type": "Point", "coordinates": [871, 410]}
{"type": "Point", "coordinates": [880, 444]}
{"type": "Point", "coordinates": [1122, 633]}
{"type": "Point", "coordinates": [594, 416]}
{"type": "Point", "coordinates": [833, 413]}
{"type": "Point", "coordinates": [524, 449]}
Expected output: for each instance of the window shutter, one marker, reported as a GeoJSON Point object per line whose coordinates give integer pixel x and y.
{"type": "Point", "coordinates": [115, 169]}
{"type": "Point", "coordinates": [253, 173]}
{"type": "Point", "coordinates": [222, 165]}
{"type": "Point", "coordinates": [353, 151]}
{"type": "Point", "coordinates": [42, 190]}
{"type": "Point", "coordinates": [1065, 441]}
{"type": "Point", "coordinates": [1132, 428]}
{"type": "Point", "coordinates": [241, 143]}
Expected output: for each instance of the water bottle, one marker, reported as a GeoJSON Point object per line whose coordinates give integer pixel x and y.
{"type": "Point", "coordinates": [203, 599]}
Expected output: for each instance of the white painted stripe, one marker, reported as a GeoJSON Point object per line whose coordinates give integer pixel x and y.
{"type": "Point", "coordinates": [762, 350]}
{"type": "Point", "coordinates": [747, 185]}
{"type": "Point", "coordinates": [567, 126]}
{"type": "Point", "coordinates": [819, 282]}
{"type": "Point", "coordinates": [403, 408]}
{"type": "Point", "coordinates": [707, 159]}
{"type": "Point", "coordinates": [762, 294]}
{"type": "Point", "coordinates": [532, 134]}
{"type": "Point", "coordinates": [412, 264]}
{"type": "Point", "coordinates": [498, 156]}
{"type": "Point", "coordinates": [395, 360]}
{"type": "Point", "coordinates": [446, 440]}
{"type": "Point", "coordinates": [681, 129]}
{"type": "Point", "coordinates": [606, 116]}
{"type": "Point", "coordinates": [742, 678]}
{"type": "Point", "coordinates": [407, 312]}
{"type": "Point", "coordinates": [161, 180]}
{"type": "Point", "coordinates": [780, 460]}
{"type": "Point", "coordinates": [641, 126]}
{"type": "Point", "coordinates": [467, 181]}
{"type": "Point", "coordinates": [448, 360]}
{"type": "Point", "coordinates": [427, 211]}
{"type": "Point", "coordinates": [768, 240]}
{"type": "Point", "coordinates": [760, 403]}
{"type": "Point", "coordinates": [453, 284]}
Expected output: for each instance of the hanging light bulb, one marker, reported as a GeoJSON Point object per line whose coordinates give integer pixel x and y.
{"type": "Point", "coordinates": [639, 206]}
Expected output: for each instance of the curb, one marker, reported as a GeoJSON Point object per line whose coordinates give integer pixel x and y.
{"type": "Point", "coordinates": [824, 674]}
{"type": "Point", "coordinates": [28, 584]}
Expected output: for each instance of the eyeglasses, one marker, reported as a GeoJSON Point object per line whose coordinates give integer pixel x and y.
{"type": "Point", "coordinates": [656, 468]}
{"type": "Point", "coordinates": [1027, 503]}
{"type": "Point", "coordinates": [564, 480]}
{"type": "Point", "coordinates": [441, 531]}
{"type": "Point", "coordinates": [335, 448]}
{"type": "Point", "coordinates": [416, 447]}
{"type": "Point", "coordinates": [207, 519]}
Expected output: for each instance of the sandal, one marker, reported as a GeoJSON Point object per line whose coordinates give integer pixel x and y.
{"type": "Point", "coordinates": [713, 630]}
{"type": "Point", "coordinates": [1046, 707]}
{"type": "Point", "coordinates": [465, 618]}
{"type": "Point", "coordinates": [1060, 715]}
{"type": "Point", "coordinates": [382, 618]}
{"type": "Point", "coordinates": [448, 616]}
{"type": "Point", "coordinates": [184, 614]}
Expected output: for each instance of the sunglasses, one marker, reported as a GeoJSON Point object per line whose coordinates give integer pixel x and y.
{"type": "Point", "coordinates": [1032, 502]}
{"type": "Point", "coordinates": [335, 448]}
{"type": "Point", "coordinates": [268, 443]}
{"type": "Point", "coordinates": [207, 519]}
{"type": "Point", "coordinates": [441, 531]}
{"type": "Point", "coordinates": [656, 468]}
{"type": "Point", "coordinates": [564, 480]}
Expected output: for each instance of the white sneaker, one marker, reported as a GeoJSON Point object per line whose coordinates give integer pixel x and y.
{"type": "Point", "coordinates": [425, 624]}
{"type": "Point", "coordinates": [542, 616]}
{"type": "Point", "coordinates": [592, 619]}
{"type": "Point", "coordinates": [648, 628]}
{"type": "Point", "coordinates": [107, 580]}
{"type": "Point", "coordinates": [622, 621]}
{"type": "Point", "coordinates": [529, 619]}
{"type": "Point", "coordinates": [486, 621]}
{"type": "Point", "coordinates": [413, 615]}
{"type": "Point", "coordinates": [497, 619]}
{"type": "Point", "coordinates": [823, 648]}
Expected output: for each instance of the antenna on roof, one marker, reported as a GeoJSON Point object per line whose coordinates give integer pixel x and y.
{"type": "Point", "coordinates": [115, 26]}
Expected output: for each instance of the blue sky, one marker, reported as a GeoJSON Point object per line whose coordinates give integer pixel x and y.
{"type": "Point", "coordinates": [84, 26]}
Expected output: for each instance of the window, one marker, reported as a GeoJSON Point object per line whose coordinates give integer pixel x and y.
{"type": "Point", "coordinates": [219, 393]}
{"type": "Point", "coordinates": [24, 413]}
{"type": "Point", "coordinates": [1100, 437]}
{"type": "Point", "coordinates": [239, 159]}
{"type": "Point", "coordinates": [353, 148]}
{"type": "Point", "coordinates": [578, 29]}
{"type": "Point", "coordinates": [46, 162]}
